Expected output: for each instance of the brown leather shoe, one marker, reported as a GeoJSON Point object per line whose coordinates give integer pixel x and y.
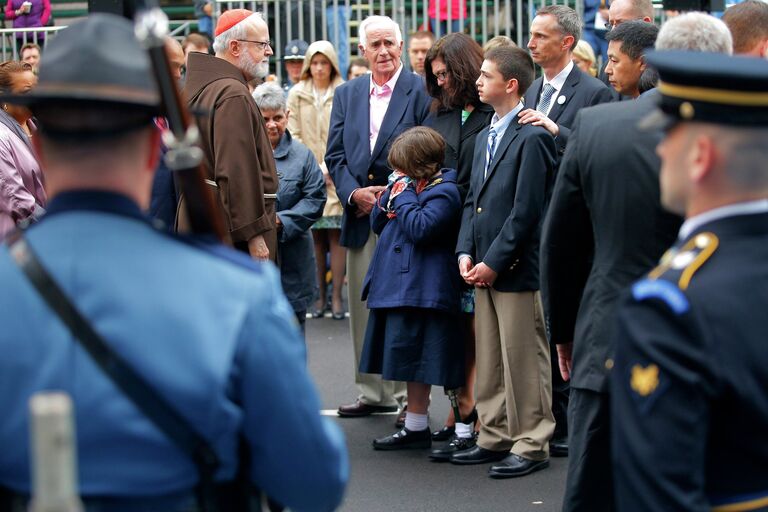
{"type": "Point", "coordinates": [358, 409]}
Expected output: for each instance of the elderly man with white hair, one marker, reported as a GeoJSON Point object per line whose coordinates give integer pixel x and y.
{"type": "Point", "coordinates": [368, 113]}
{"type": "Point", "coordinates": [606, 218]}
{"type": "Point", "coordinates": [238, 158]}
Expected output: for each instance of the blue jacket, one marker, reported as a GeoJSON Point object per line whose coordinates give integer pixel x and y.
{"type": "Point", "coordinates": [300, 201]}
{"type": "Point", "coordinates": [348, 156]}
{"type": "Point", "coordinates": [216, 339]}
{"type": "Point", "coordinates": [414, 262]}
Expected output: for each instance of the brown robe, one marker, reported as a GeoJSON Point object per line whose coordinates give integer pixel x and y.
{"type": "Point", "coordinates": [238, 155]}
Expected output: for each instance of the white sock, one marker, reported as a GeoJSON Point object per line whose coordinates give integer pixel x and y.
{"type": "Point", "coordinates": [416, 422]}
{"type": "Point", "coordinates": [464, 430]}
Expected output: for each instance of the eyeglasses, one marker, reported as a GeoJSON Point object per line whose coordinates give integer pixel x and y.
{"type": "Point", "coordinates": [441, 75]}
{"type": "Point", "coordinates": [262, 44]}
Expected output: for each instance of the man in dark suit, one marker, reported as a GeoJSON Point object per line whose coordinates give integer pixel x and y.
{"type": "Point", "coordinates": [688, 405]}
{"type": "Point", "coordinates": [552, 101]}
{"type": "Point", "coordinates": [368, 113]}
{"type": "Point", "coordinates": [605, 207]}
{"type": "Point", "coordinates": [498, 251]}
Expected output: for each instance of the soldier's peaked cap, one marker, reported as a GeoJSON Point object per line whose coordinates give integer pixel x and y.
{"type": "Point", "coordinates": [710, 88]}
{"type": "Point", "coordinates": [96, 60]}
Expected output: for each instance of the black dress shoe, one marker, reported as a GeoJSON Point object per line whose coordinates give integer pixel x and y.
{"type": "Point", "coordinates": [515, 465]}
{"type": "Point", "coordinates": [444, 433]}
{"type": "Point", "coordinates": [476, 455]}
{"type": "Point", "coordinates": [404, 440]}
{"type": "Point", "coordinates": [359, 409]}
{"type": "Point", "coordinates": [400, 420]}
{"type": "Point", "coordinates": [558, 447]}
{"type": "Point", "coordinates": [447, 432]}
{"type": "Point", "coordinates": [457, 444]}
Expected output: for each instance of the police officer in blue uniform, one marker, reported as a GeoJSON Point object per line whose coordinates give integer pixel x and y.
{"type": "Point", "coordinates": [690, 373]}
{"type": "Point", "coordinates": [213, 336]}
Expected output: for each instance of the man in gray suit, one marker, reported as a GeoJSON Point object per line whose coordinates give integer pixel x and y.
{"type": "Point", "coordinates": [605, 207]}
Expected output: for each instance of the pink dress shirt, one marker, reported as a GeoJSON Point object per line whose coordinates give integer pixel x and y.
{"type": "Point", "coordinates": [21, 181]}
{"type": "Point", "coordinates": [379, 102]}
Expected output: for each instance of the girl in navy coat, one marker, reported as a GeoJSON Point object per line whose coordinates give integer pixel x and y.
{"type": "Point", "coordinates": [413, 286]}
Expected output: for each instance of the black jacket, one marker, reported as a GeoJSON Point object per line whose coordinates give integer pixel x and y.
{"type": "Point", "coordinates": [501, 221]}
{"type": "Point", "coordinates": [605, 206]}
{"type": "Point", "coordinates": [460, 140]}
{"type": "Point", "coordinates": [579, 90]}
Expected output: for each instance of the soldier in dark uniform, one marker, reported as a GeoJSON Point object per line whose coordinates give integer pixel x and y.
{"type": "Point", "coordinates": [688, 385]}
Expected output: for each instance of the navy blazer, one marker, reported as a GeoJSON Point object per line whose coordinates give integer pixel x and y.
{"type": "Point", "coordinates": [502, 217]}
{"type": "Point", "coordinates": [579, 90]}
{"type": "Point", "coordinates": [348, 156]}
{"type": "Point", "coordinates": [414, 264]}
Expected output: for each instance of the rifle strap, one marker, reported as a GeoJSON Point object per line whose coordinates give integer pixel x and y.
{"type": "Point", "coordinates": [133, 385]}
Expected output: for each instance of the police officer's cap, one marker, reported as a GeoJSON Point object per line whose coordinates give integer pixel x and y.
{"type": "Point", "coordinates": [710, 88]}
{"type": "Point", "coordinates": [295, 50]}
{"type": "Point", "coordinates": [93, 65]}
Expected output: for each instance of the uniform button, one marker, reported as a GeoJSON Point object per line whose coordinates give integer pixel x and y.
{"type": "Point", "coordinates": [609, 364]}
{"type": "Point", "coordinates": [397, 249]}
{"type": "Point", "coordinates": [479, 210]}
{"type": "Point", "coordinates": [370, 176]}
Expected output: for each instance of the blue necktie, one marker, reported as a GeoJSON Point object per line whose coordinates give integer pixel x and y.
{"type": "Point", "coordinates": [546, 98]}
{"type": "Point", "coordinates": [491, 150]}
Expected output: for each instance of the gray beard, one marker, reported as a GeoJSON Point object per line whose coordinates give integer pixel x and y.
{"type": "Point", "coordinates": [252, 69]}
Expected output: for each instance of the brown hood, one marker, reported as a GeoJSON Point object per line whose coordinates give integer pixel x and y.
{"type": "Point", "coordinates": [203, 69]}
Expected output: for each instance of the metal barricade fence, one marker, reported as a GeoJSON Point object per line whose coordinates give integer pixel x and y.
{"type": "Point", "coordinates": [14, 38]}
{"type": "Point", "coordinates": [312, 20]}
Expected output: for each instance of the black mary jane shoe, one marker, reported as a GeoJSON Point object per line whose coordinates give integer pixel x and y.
{"type": "Point", "coordinates": [446, 433]}
{"type": "Point", "coordinates": [404, 440]}
{"type": "Point", "coordinates": [457, 444]}
{"type": "Point", "coordinates": [318, 312]}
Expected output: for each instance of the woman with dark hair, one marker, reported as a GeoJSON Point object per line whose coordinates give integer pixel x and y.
{"type": "Point", "coordinates": [452, 66]}
{"type": "Point", "coordinates": [22, 195]}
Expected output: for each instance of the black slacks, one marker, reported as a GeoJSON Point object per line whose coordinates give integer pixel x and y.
{"type": "Point", "coordinates": [589, 487]}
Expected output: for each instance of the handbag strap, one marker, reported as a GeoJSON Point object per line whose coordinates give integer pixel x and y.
{"type": "Point", "coordinates": [133, 385]}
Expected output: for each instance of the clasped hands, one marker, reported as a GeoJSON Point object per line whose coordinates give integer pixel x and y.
{"type": "Point", "coordinates": [480, 275]}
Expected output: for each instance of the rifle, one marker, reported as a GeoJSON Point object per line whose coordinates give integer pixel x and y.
{"type": "Point", "coordinates": [184, 157]}
{"type": "Point", "coordinates": [53, 450]}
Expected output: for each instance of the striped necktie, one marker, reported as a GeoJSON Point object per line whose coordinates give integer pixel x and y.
{"type": "Point", "coordinates": [491, 150]}
{"type": "Point", "coordinates": [546, 98]}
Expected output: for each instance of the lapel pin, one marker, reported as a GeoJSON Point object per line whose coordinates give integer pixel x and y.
{"type": "Point", "coordinates": [560, 100]}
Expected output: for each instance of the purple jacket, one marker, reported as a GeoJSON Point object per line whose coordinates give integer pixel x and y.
{"type": "Point", "coordinates": [21, 181]}
{"type": "Point", "coordinates": [37, 17]}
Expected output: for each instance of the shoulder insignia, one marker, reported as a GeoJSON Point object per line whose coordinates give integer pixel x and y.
{"type": "Point", "coordinates": [665, 291]}
{"type": "Point", "coordinates": [687, 259]}
{"type": "Point", "coordinates": [645, 380]}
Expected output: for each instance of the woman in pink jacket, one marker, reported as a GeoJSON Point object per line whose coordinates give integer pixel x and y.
{"type": "Point", "coordinates": [22, 195]}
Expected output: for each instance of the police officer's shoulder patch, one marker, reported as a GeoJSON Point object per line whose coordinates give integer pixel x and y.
{"type": "Point", "coordinates": [665, 291]}
{"type": "Point", "coordinates": [679, 265]}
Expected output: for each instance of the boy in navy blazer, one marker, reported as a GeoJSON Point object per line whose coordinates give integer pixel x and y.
{"type": "Point", "coordinates": [512, 176]}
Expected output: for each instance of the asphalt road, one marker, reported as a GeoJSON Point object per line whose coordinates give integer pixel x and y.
{"type": "Point", "coordinates": [406, 480]}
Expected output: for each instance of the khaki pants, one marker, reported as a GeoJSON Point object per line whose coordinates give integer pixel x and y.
{"type": "Point", "coordinates": [373, 390]}
{"type": "Point", "coordinates": [513, 386]}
